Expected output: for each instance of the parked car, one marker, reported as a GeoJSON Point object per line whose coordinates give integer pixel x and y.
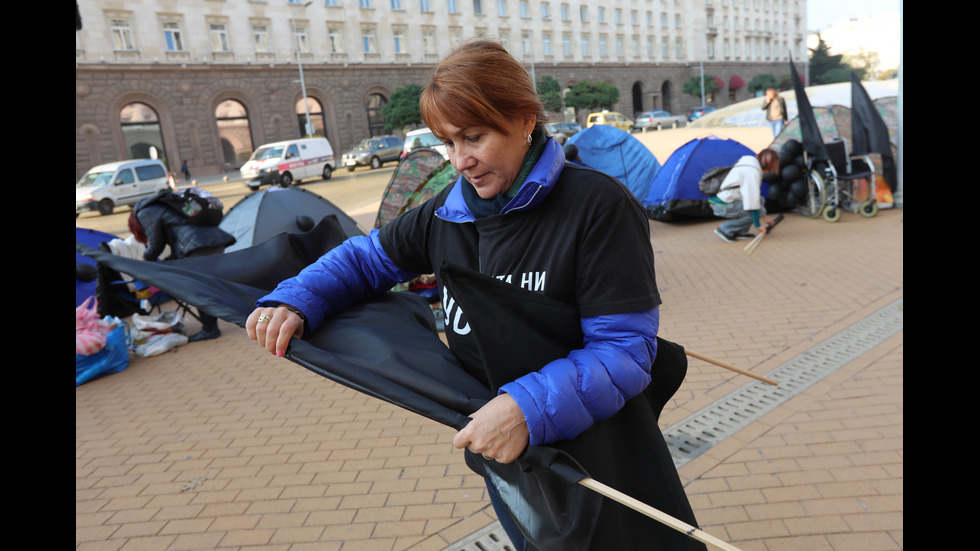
{"type": "Point", "coordinates": [699, 112]}
{"type": "Point", "coordinates": [569, 129]}
{"type": "Point", "coordinates": [287, 162]}
{"type": "Point", "coordinates": [423, 137]}
{"type": "Point", "coordinates": [610, 118]}
{"type": "Point", "coordinates": [120, 183]}
{"type": "Point", "coordinates": [658, 119]}
{"type": "Point", "coordinates": [374, 152]}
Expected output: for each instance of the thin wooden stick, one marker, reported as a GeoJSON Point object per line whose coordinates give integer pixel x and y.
{"type": "Point", "coordinates": [730, 367]}
{"type": "Point", "coordinates": [656, 514]}
{"type": "Point", "coordinates": [750, 248]}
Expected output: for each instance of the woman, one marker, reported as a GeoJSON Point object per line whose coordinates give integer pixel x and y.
{"type": "Point", "coordinates": [519, 213]}
{"type": "Point", "coordinates": [739, 198]}
{"type": "Point", "coordinates": [158, 222]}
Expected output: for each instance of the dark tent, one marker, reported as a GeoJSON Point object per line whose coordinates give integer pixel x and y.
{"type": "Point", "coordinates": [414, 171]}
{"type": "Point", "coordinates": [262, 215]}
{"type": "Point", "coordinates": [387, 348]}
{"type": "Point", "coordinates": [674, 192]}
{"type": "Point", "coordinates": [618, 154]}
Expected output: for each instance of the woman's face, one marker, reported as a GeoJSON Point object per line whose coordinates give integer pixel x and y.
{"type": "Point", "coordinates": [489, 159]}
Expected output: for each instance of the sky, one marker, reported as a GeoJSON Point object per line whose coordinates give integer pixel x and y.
{"type": "Point", "coordinates": [823, 13]}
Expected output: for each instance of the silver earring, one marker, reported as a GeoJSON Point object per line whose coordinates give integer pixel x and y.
{"type": "Point", "coordinates": [529, 140]}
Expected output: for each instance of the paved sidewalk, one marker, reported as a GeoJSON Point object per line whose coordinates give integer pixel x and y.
{"type": "Point", "coordinates": [219, 445]}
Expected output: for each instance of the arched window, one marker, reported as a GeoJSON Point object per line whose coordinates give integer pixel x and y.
{"type": "Point", "coordinates": [141, 132]}
{"type": "Point", "coordinates": [316, 117]}
{"type": "Point", "coordinates": [376, 119]}
{"type": "Point", "coordinates": [234, 132]}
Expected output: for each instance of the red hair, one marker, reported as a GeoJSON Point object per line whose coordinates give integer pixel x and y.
{"type": "Point", "coordinates": [769, 160]}
{"type": "Point", "coordinates": [136, 228]}
{"type": "Point", "coordinates": [479, 84]}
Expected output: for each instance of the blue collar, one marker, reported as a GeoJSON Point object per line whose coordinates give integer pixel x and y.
{"type": "Point", "coordinates": [540, 181]}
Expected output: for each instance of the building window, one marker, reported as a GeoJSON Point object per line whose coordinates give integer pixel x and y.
{"type": "Point", "coordinates": [525, 43]}
{"type": "Point", "coordinates": [524, 10]}
{"type": "Point", "coordinates": [331, 3]}
{"type": "Point", "coordinates": [234, 132]}
{"type": "Point", "coordinates": [302, 40]}
{"type": "Point", "coordinates": [319, 127]}
{"type": "Point", "coordinates": [335, 36]}
{"type": "Point", "coordinates": [395, 4]}
{"type": "Point", "coordinates": [634, 18]}
{"type": "Point", "coordinates": [620, 50]}
{"type": "Point", "coordinates": [545, 10]}
{"type": "Point", "coordinates": [451, 4]}
{"type": "Point", "coordinates": [172, 37]}
{"type": "Point", "coordinates": [564, 12]}
{"type": "Point", "coordinates": [399, 37]}
{"type": "Point", "coordinates": [501, 8]}
{"type": "Point", "coordinates": [219, 38]}
{"type": "Point", "coordinates": [424, 6]}
{"type": "Point", "coordinates": [566, 45]}
{"type": "Point", "coordinates": [141, 132]}
{"type": "Point", "coordinates": [260, 36]}
{"type": "Point", "coordinates": [583, 12]}
{"type": "Point", "coordinates": [618, 14]}
{"type": "Point", "coordinates": [601, 16]}
{"type": "Point", "coordinates": [546, 44]}
{"type": "Point", "coordinates": [368, 40]}
{"type": "Point", "coordinates": [478, 7]}
{"type": "Point", "coordinates": [366, 4]}
{"type": "Point", "coordinates": [429, 41]}
{"type": "Point", "coordinates": [585, 46]}
{"type": "Point", "coordinates": [376, 119]}
{"type": "Point", "coordinates": [455, 37]}
{"type": "Point", "coordinates": [122, 35]}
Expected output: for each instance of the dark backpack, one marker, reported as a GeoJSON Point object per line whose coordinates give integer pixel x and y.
{"type": "Point", "coordinates": [200, 207]}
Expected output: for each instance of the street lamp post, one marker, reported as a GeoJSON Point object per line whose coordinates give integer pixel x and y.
{"type": "Point", "coordinates": [302, 81]}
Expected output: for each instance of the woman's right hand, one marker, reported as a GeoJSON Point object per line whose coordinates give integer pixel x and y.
{"type": "Point", "coordinates": [273, 327]}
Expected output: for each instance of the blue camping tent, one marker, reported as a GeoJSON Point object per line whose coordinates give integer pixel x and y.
{"type": "Point", "coordinates": [85, 266]}
{"type": "Point", "coordinates": [674, 192]}
{"type": "Point", "coordinates": [618, 154]}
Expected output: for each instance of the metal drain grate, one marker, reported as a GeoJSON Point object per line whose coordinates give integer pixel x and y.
{"type": "Point", "coordinates": [491, 538]}
{"type": "Point", "coordinates": [700, 431]}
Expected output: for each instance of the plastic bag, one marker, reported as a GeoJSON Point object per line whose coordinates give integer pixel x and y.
{"type": "Point", "coordinates": [145, 327]}
{"type": "Point", "coordinates": [112, 358]}
{"type": "Point", "coordinates": [90, 330]}
{"type": "Point", "coordinates": [158, 344]}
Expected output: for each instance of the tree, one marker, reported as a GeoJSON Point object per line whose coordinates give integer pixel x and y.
{"type": "Point", "coordinates": [760, 83]}
{"type": "Point", "coordinates": [693, 86]}
{"type": "Point", "coordinates": [402, 108]}
{"type": "Point", "coordinates": [827, 68]}
{"type": "Point", "coordinates": [549, 92]}
{"type": "Point", "coordinates": [592, 96]}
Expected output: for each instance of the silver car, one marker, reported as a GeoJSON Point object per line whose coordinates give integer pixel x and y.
{"type": "Point", "coordinates": [373, 152]}
{"type": "Point", "coordinates": [658, 119]}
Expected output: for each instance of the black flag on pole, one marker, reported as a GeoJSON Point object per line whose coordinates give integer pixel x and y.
{"type": "Point", "coordinates": [869, 131]}
{"type": "Point", "coordinates": [812, 140]}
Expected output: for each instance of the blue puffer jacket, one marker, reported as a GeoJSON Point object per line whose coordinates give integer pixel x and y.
{"type": "Point", "coordinates": [561, 400]}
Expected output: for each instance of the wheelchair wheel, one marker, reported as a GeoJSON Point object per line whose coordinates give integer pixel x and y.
{"type": "Point", "coordinates": [816, 196]}
{"type": "Point", "coordinates": [831, 214]}
{"type": "Point", "coordinates": [869, 209]}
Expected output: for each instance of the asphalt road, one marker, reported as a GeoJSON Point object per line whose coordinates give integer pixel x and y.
{"type": "Point", "coordinates": [357, 193]}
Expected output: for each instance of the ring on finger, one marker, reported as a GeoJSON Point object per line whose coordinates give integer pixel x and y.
{"type": "Point", "coordinates": [264, 318]}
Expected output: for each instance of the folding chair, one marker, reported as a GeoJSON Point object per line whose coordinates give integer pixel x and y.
{"type": "Point", "coordinates": [121, 297]}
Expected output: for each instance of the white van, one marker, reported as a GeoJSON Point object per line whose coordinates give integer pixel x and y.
{"type": "Point", "coordinates": [119, 183]}
{"type": "Point", "coordinates": [423, 137]}
{"type": "Point", "coordinates": [289, 161]}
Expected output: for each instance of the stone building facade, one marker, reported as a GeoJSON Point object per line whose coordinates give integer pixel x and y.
{"type": "Point", "coordinates": [207, 81]}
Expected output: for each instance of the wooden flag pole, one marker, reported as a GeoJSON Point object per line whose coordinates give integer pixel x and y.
{"type": "Point", "coordinates": [750, 248]}
{"type": "Point", "coordinates": [731, 367]}
{"type": "Point", "coordinates": [656, 514]}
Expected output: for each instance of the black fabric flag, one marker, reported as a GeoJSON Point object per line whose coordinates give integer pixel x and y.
{"type": "Point", "coordinates": [388, 348]}
{"type": "Point", "coordinates": [812, 140]}
{"type": "Point", "coordinates": [869, 131]}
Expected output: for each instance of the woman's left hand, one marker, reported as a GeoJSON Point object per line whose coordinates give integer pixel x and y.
{"type": "Point", "coordinates": [497, 431]}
